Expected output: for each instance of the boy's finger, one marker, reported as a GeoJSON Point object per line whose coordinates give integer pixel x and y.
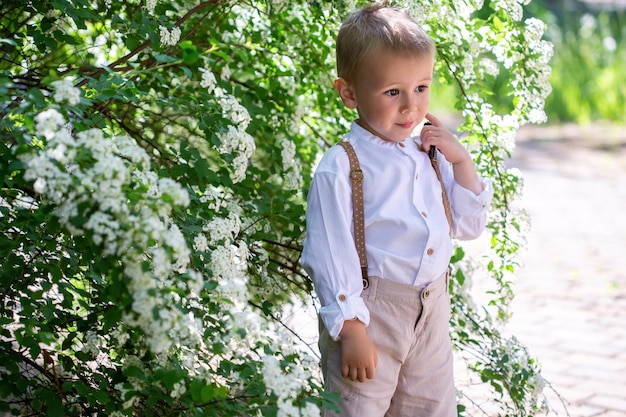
{"type": "Point", "coordinates": [431, 118]}
{"type": "Point", "coordinates": [362, 375]}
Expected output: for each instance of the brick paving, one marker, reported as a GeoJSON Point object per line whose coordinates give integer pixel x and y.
{"type": "Point", "coordinates": [570, 305]}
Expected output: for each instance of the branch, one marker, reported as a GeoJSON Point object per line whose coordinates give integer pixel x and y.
{"type": "Point", "coordinates": [478, 121]}
{"type": "Point", "coordinates": [273, 317]}
{"type": "Point", "coordinates": [147, 43]}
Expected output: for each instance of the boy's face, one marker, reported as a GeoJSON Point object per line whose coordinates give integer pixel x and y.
{"type": "Point", "coordinates": [391, 93]}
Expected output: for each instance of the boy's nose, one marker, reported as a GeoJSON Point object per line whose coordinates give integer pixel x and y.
{"type": "Point", "coordinates": [410, 104]}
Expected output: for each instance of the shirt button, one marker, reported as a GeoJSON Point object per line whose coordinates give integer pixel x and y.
{"type": "Point", "coordinates": [342, 297]}
{"type": "Point", "coordinates": [424, 214]}
{"type": "Point", "coordinates": [401, 144]}
{"type": "Point", "coordinates": [417, 176]}
{"type": "Point", "coordinates": [430, 251]}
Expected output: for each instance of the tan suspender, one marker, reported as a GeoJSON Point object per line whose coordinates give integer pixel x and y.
{"type": "Point", "coordinates": [356, 177]}
{"type": "Point", "coordinates": [432, 154]}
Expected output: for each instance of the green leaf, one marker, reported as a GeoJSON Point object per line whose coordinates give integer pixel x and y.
{"type": "Point", "coordinates": [164, 58]}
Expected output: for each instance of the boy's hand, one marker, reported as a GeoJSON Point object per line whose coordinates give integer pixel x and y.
{"type": "Point", "coordinates": [437, 135]}
{"type": "Point", "coordinates": [358, 353]}
{"type": "Point", "coordinates": [462, 165]}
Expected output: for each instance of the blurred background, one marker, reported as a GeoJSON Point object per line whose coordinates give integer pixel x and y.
{"type": "Point", "coordinates": [589, 63]}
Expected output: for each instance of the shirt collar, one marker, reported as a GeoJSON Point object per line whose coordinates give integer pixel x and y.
{"type": "Point", "coordinates": [361, 133]}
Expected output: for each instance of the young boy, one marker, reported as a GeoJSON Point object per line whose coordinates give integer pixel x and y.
{"type": "Point", "coordinates": [384, 335]}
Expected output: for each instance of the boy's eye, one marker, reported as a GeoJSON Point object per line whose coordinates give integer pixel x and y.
{"type": "Point", "coordinates": [422, 88]}
{"type": "Point", "coordinates": [392, 92]}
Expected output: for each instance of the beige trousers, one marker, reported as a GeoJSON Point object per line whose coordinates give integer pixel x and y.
{"type": "Point", "coordinates": [414, 378]}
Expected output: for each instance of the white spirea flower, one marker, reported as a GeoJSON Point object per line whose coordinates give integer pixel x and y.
{"type": "Point", "coordinates": [237, 140]}
{"type": "Point", "coordinates": [223, 229]}
{"type": "Point", "coordinates": [293, 179]}
{"type": "Point", "coordinates": [237, 113]}
{"type": "Point", "coordinates": [104, 227]}
{"type": "Point", "coordinates": [176, 241]}
{"type": "Point", "coordinates": [512, 7]}
{"type": "Point", "coordinates": [240, 164]}
{"type": "Point", "coordinates": [213, 196]}
{"type": "Point", "coordinates": [127, 147]}
{"type": "Point", "coordinates": [292, 176]}
{"type": "Point", "coordinates": [200, 243]}
{"type": "Point", "coordinates": [64, 90]}
{"type": "Point", "coordinates": [93, 139]}
{"type": "Point", "coordinates": [195, 282]}
{"type": "Point", "coordinates": [161, 263]}
{"type": "Point", "coordinates": [489, 67]}
{"type": "Point", "coordinates": [40, 185]}
{"type": "Point", "coordinates": [225, 73]}
{"type": "Point", "coordinates": [174, 190]}
{"type": "Point", "coordinates": [119, 336]}
{"type": "Point", "coordinates": [48, 122]}
{"type": "Point", "coordinates": [288, 153]}
{"type": "Point", "coordinates": [136, 232]}
{"type": "Point", "coordinates": [178, 390]}
{"type": "Point", "coordinates": [228, 271]}
{"type": "Point", "coordinates": [169, 37]}
{"type": "Point", "coordinates": [286, 385]}
{"type": "Point", "coordinates": [208, 79]}
{"type": "Point", "coordinates": [150, 5]}
{"type": "Point", "coordinates": [534, 29]}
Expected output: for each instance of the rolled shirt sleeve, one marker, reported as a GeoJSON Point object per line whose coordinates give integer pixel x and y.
{"type": "Point", "coordinates": [329, 254]}
{"type": "Point", "coordinates": [347, 307]}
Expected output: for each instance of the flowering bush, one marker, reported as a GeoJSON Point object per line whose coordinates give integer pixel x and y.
{"type": "Point", "coordinates": [155, 158]}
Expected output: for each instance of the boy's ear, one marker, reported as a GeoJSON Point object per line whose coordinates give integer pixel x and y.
{"type": "Point", "coordinates": [346, 92]}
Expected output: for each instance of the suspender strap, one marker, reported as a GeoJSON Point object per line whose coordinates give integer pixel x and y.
{"type": "Point", "coordinates": [432, 154]}
{"type": "Point", "coordinates": [356, 177]}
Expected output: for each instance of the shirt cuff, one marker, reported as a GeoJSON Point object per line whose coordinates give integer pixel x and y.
{"type": "Point", "coordinates": [469, 204]}
{"type": "Point", "coordinates": [345, 308]}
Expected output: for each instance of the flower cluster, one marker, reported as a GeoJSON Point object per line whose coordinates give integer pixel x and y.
{"type": "Point", "coordinates": [291, 165]}
{"type": "Point", "coordinates": [65, 90]}
{"type": "Point", "coordinates": [236, 140]}
{"type": "Point", "coordinates": [223, 229]}
{"type": "Point", "coordinates": [229, 264]}
{"type": "Point", "coordinates": [208, 79]}
{"type": "Point", "coordinates": [286, 385]}
{"type": "Point", "coordinates": [96, 178]}
{"type": "Point", "coordinates": [150, 5]}
{"type": "Point", "coordinates": [474, 49]}
{"type": "Point", "coordinates": [169, 37]}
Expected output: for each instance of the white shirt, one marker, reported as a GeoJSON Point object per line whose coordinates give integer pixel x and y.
{"type": "Point", "coordinates": [406, 230]}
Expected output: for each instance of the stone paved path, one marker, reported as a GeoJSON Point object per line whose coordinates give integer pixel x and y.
{"type": "Point", "coordinates": [570, 307]}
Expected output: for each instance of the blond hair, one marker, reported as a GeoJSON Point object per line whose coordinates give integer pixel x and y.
{"type": "Point", "coordinates": [378, 27]}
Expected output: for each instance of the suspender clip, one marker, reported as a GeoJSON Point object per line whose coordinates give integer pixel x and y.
{"type": "Point", "coordinates": [356, 175]}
